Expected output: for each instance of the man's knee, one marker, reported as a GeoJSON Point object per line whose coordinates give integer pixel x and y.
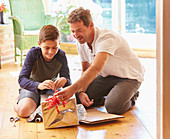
{"type": "Point", "coordinates": [114, 108]}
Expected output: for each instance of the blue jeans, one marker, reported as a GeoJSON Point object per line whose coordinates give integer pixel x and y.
{"type": "Point", "coordinates": [118, 92]}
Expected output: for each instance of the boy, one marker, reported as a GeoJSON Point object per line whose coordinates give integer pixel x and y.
{"type": "Point", "coordinates": [40, 71]}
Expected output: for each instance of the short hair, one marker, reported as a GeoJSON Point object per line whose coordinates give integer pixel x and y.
{"type": "Point", "coordinates": [48, 32]}
{"type": "Point", "coordinates": [80, 14]}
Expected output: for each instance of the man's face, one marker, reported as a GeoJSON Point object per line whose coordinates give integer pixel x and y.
{"type": "Point", "coordinates": [81, 32]}
{"type": "Point", "coordinates": [49, 48]}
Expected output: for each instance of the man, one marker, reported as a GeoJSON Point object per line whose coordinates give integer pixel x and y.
{"type": "Point", "coordinates": [110, 68]}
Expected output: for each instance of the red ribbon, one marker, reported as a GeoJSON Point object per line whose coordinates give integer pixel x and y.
{"type": "Point", "coordinates": [53, 101]}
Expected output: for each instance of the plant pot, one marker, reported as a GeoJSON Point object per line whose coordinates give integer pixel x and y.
{"type": "Point", "coordinates": [1, 18]}
{"type": "Point", "coordinates": [67, 38]}
{"type": "Point", "coordinates": [63, 37]}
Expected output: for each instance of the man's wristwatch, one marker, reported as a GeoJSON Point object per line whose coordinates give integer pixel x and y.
{"type": "Point", "coordinates": [80, 92]}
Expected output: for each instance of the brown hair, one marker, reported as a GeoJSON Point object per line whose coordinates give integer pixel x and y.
{"type": "Point", "coordinates": [48, 32]}
{"type": "Point", "coordinates": [80, 14]}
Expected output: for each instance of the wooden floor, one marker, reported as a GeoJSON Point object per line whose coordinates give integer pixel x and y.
{"type": "Point", "coordinates": [139, 123]}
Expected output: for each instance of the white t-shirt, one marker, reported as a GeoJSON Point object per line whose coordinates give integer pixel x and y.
{"type": "Point", "coordinates": [122, 61]}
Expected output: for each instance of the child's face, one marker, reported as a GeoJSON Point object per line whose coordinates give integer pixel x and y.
{"type": "Point", "coordinates": [49, 48]}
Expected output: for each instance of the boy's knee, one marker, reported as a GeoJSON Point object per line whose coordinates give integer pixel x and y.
{"type": "Point", "coordinates": [26, 110]}
{"type": "Point", "coordinates": [25, 107]}
{"type": "Point", "coordinates": [23, 112]}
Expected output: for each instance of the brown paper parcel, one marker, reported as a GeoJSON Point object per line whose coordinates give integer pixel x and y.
{"type": "Point", "coordinates": [67, 117]}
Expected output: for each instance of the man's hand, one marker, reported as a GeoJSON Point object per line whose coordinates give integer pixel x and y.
{"type": "Point", "coordinates": [60, 83]}
{"type": "Point", "coordinates": [65, 94]}
{"type": "Point", "coordinates": [47, 84]}
{"type": "Point", "coordinates": [85, 99]}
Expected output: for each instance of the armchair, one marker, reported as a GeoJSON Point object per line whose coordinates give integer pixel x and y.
{"type": "Point", "coordinates": [28, 17]}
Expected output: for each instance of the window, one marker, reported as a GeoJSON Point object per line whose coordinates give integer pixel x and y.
{"type": "Point", "coordinates": [106, 14]}
{"type": "Point", "coordinates": [134, 19]}
{"type": "Point", "coordinates": [138, 23]}
{"type": "Point", "coordinates": [140, 16]}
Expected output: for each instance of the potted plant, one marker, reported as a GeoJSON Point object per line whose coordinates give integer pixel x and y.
{"type": "Point", "coordinates": [62, 24]}
{"type": "Point", "coordinates": [64, 7]}
{"type": "Point", "coordinates": [2, 11]}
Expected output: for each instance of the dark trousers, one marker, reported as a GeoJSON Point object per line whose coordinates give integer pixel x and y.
{"type": "Point", "coordinates": [118, 92]}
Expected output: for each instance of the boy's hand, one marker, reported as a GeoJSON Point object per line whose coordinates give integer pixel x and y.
{"type": "Point", "coordinates": [47, 84]}
{"type": "Point", "coordinates": [85, 99]}
{"type": "Point", "coordinates": [60, 83]}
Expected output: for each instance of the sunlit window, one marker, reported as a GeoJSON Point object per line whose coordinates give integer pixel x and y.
{"type": "Point", "coordinates": [106, 13]}
{"type": "Point", "coordinates": [131, 18]}
{"type": "Point", "coordinates": [140, 16]}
